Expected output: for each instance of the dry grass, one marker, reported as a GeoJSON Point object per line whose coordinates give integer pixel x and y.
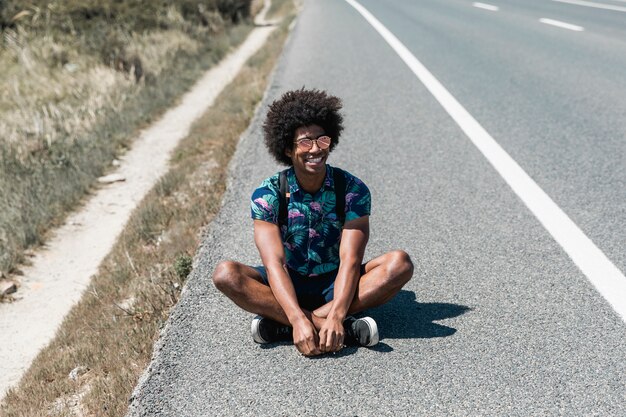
{"type": "Point", "coordinates": [108, 337]}
{"type": "Point", "coordinates": [71, 101]}
{"type": "Point", "coordinates": [53, 89]}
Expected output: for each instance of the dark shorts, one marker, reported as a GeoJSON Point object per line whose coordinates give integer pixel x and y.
{"type": "Point", "coordinates": [312, 292]}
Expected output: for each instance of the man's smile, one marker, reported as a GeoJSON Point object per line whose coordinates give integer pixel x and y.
{"type": "Point", "coordinates": [314, 159]}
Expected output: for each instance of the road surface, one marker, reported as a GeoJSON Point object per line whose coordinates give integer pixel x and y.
{"type": "Point", "coordinates": [499, 319]}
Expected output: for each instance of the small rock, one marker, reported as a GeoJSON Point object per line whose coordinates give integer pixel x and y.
{"type": "Point", "coordinates": [76, 372]}
{"type": "Point", "coordinates": [116, 163]}
{"type": "Point", "coordinates": [128, 303]}
{"type": "Point", "coordinates": [7, 287]}
{"type": "Point", "coordinates": [69, 67]}
{"type": "Point", "coordinates": [108, 179]}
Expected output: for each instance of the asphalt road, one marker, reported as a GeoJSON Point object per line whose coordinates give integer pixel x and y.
{"type": "Point", "coordinates": [497, 319]}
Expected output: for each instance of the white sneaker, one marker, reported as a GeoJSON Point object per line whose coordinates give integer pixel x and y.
{"type": "Point", "coordinates": [363, 331]}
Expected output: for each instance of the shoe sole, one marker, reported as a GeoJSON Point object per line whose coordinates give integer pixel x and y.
{"type": "Point", "coordinates": [374, 337]}
{"type": "Point", "coordinates": [254, 329]}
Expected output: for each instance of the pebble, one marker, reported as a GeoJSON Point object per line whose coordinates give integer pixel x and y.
{"type": "Point", "coordinates": [108, 179]}
{"type": "Point", "coordinates": [7, 287]}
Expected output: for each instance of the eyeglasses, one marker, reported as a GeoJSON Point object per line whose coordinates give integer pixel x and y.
{"type": "Point", "coordinates": [306, 144]}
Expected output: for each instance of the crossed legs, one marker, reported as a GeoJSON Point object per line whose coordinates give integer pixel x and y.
{"type": "Point", "coordinates": [384, 277]}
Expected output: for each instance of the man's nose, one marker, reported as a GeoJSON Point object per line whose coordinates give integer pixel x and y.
{"type": "Point", "coordinates": [315, 147]}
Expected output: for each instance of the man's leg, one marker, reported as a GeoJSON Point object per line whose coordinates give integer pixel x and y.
{"type": "Point", "coordinates": [384, 277]}
{"type": "Point", "coordinates": [244, 285]}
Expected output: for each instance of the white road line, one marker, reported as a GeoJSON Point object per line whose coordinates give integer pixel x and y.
{"type": "Point", "coordinates": [560, 24]}
{"type": "Point", "coordinates": [594, 5]}
{"type": "Point", "coordinates": [599, 270]}
{"type": "Point", "coordinates": [486, 6]}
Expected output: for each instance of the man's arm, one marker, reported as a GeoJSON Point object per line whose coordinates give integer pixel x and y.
{"type": "Point", "coordinates": [354, 239]}
{"type": "Point", "coordinates": [269, 243]}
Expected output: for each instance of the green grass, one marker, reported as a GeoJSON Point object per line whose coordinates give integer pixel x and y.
{"type": "Point", "coordinates": [72, 101]}
{"type": "Point", "coordinates": [111, 331]}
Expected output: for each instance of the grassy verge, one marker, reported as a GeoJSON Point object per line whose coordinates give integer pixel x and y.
{"type": "Point", "coordinates": [79, 77]}
{"type": "Point", "coordinates": [106, 341]}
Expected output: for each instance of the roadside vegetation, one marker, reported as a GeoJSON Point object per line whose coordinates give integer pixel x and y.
{"type": "Point", "coordinates": [105, 343]}
{"type": "Point", "coordinates": [79, 77]}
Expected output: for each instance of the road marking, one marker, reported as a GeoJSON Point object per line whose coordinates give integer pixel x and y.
{"type": "Point", "coordinates": [594, 5]}
{"type": "Point", "coordinates": [560, 24]}
{"type": "Point", "coordinates": [599, 270]}
{"type": "Point", "coordinates": [486, 6]}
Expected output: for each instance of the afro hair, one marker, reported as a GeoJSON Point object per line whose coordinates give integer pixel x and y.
{"type": "Point", "coordinates": [299, 108]}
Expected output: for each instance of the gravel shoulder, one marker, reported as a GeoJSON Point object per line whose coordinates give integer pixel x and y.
{"type": "Point", "coordinates": [61, 271]}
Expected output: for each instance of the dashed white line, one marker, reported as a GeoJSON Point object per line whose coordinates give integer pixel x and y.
{"type": "Point", "coordinates": [599, 270]}
{"type": "Point", "coordinates": [594, 5]}
{"type": "Point", "coordinates": [560, 24]}
{"type": "Point", "coordinates": [486, 6]}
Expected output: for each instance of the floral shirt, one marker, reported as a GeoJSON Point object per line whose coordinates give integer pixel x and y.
{"type": "Point", "coordinates": [311, 237]}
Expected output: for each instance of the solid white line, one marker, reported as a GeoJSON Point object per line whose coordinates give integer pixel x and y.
{"type": "Point", "coordinates": [486, 6]}
{"type": "Point", "coordinates": [594, 5]}
{"type": "Point", "coordinates": [601, 272]}
{"type": "Point", "coordinates": [560, 24]}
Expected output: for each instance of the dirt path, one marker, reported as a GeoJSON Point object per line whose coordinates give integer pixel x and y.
{"type": "Point", "coordinates": [62, 270]}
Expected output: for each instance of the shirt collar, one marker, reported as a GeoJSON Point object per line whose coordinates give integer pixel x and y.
{"type": "Point", "coordinates": [329, 182]}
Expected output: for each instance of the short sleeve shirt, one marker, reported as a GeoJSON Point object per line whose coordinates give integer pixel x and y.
{"type": "Point", "coordinates": [313, 232]}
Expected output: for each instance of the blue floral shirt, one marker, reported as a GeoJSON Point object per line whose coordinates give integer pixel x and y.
{"type": "Point", "coordinates": [311, 237]}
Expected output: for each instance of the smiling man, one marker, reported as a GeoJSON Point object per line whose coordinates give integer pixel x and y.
{"type": "Point", "coordinates": [311, 227]}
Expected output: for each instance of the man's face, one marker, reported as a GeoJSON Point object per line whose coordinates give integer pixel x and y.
{"type": "Point", "coordinates": [311, 161]}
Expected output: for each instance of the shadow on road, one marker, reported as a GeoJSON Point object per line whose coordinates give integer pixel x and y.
{"type": "Point", "coordinates": [405, 318]}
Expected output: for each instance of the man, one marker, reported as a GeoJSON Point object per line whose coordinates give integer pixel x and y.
{"type": "Point", "coordinates": [311, 242]}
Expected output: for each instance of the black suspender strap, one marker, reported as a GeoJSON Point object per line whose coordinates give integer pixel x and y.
{"type": "Point", "coordinates": [339, 179]}
{"type": "Point", "coordinates": [340, 194]}
{"type": "Point", "coordinates": [283, 198]}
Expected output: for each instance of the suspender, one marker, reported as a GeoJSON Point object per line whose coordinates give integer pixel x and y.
{"type": "Point", "coordinates": [340, 194]}
{"type": "Point", "coordinates": [339, 178]}
{"type": "Point", "coordinates": [283, 198]}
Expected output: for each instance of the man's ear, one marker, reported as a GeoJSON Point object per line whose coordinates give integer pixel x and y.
{"type": "Point", "coordinates": [288, 152]}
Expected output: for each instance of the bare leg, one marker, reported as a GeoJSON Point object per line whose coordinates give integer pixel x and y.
{"type": "Point", "coordinates": [384, 277]}
{"type": "Point", "coordinates": [244, 285]}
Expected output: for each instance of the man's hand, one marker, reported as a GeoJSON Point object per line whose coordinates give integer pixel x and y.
{"type": "Point", "coordinates": [305, 337]}
{"type": "Point", "coordinates": [331, 335]}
